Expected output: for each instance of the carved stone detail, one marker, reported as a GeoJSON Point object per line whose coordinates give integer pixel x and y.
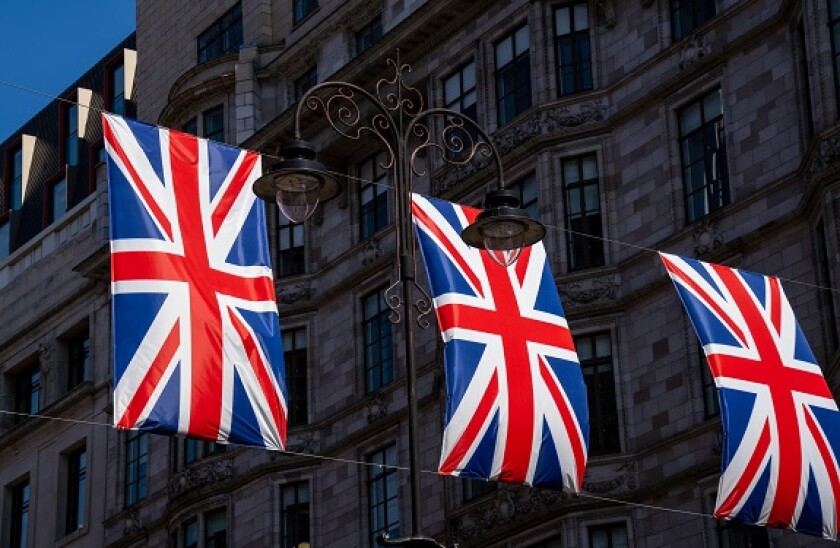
{"type": "Point", "coordinates": [376, 408]}
{"type": "Point", "coordinates": [46, 359]}
{"type": "Point", "coordinates": [510, 502]}
{"type": "Point", "coordinates": [706, 238]}
{"type": "Point", "coordinates": [588, 291]}
{"type": "Point", "coordinates": [200, 475]}
{"type": "Point", "coordinates": [132, 522]}
{"type": "Point", "coordinates": [692, 51]}
{"type": "Point", "coordinates": [828, 153]}
{"type": "Point", "coordinates": [305, 443]}
{"type": "Point", "coordinates": [607, 10]}
{"type": "Point", "coordinates": [558, 119]}
{"type": "Point", "coordinates": [371, 251]}
{"type": "Point", "coordinates": [626, 476]}
{"type": "Point", "coordinates": [292, 293]}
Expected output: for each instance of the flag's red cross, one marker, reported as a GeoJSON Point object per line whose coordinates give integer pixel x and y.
{"type": "Point", "coordinates": [515, 332]}
{"type": "Point", "coordinates": [781, 381]}
{"type": "Point", "coordinates": [204, 282]}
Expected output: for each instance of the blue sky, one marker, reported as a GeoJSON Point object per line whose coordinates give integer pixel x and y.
{"type": "Point", "coordinates": [47, 44]}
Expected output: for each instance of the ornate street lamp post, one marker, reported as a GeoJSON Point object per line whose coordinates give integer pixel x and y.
{"type": "Point", "coordinates": [298, 183]}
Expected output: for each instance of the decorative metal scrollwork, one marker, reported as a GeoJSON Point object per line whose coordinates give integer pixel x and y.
{"type": "Point", "coordinates": [403, 99]}
{"type": "Point", "coordinates": [423, 305]}
{"type": "Point", "coordinates": [394, 302]}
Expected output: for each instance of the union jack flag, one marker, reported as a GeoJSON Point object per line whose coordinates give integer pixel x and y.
{"type": "Point", "coordinates": [781, 424]}
{"type": "Point", "coordinates": [516, 410]}
{"type": "Point", "coordinates": [197, 347]}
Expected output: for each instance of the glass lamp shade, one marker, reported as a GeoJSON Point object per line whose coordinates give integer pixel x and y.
{"type": "Point", "coordinates": [503, 240]}
{"type": "Point", "coordinates": [297, 195]}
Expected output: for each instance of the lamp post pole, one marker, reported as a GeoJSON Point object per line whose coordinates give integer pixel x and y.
{"type": "Point", "coordinates": [396, 118]}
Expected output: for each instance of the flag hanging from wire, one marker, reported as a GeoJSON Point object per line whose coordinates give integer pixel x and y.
{"type": "Point", "coordinates": [516, 409]}
{"type": "Point", "coordinates": [197, 347]}
{"type": "Point", "coordinates": [780, 422]}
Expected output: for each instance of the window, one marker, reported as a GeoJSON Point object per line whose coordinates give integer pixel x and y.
{"type": "Point", "coordinates": [513, 75]}
{"type": "Point", "coordinates": [834, 26]}
{"type": "Point", "coordinates": [584, 246]}
{"type": "Point", "coordinates": [824, 271]}
{"type": "Point", "coordinates": [368, 35]}
{"type": "Point", "coordinates": [222, 37]}
{"type": "Point", "coordinates": [574, 54]}
{"type": "Point", "coordinates": [15, 177]}
{"type": "Point", "coordinates": [70, 124]}
{"type": "Point", "coordinates": [527, 190]}
{"type": "Point", "coordinates": [383, 498]}
{"type": "Point", "coordinates": [291, 257]}
{"type": "Point", "coordinates": [302, 9]}
{"type": "Point", "coordinates": [733, 534]}
{"type": "Point", "coordinates": [703, 153]}
{"type": "Point", "coordinates": [20, 515]}
{"type": "Point", "coordinates": [711, 405]}
{"type": "Point", "coordinates": [595, 354]}
{"type": "Point", "coordinates": [58, 199]}
{"type": "Point", "coordinates": [302, 84]}
{"type": "Point", "coordinates": [190, 126]}
{"type": "Point", "coordinates": [28, 391]}
{"type": "Point", "coordinates": [5, 240]}
{"type": "Point", "coordinates": [78, 360]}
{"type": "Point", "coordinates": [611, 535]}
{"type": "Point", "coordinates": [473, 488]}
{"type": "Point", "coordinates": [215, 529]}
{"type": "Point", "coordinates": [373, 192]}
{"type": "Point", "coordinates": [687, 15]}
{"type": "Point", "coordinates": [189, 534]}
{"type": "Point", "coordinates": [214, 124]}
{"type": "Point", "coordinates": [76, 483]}
{"type": "Point", "coordinates": [198, 449]}
{"type": "Point", "coordinates": [136, 462]}
{"type": "Point", "coordinates": [459, 95]}
{"type": "Point", "coordinates": [379, 369]}
{"type": "Point", "coordinates": [294, 356]}
{"type": "Point", "coordinates": [294, 515]}
{"type": "Point", "coordinates": [116, 89]}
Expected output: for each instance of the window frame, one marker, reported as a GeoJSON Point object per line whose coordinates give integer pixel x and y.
{"type": "Point", "coordinates": [696, 21]}
{"type": "Point", "coordinates": [456, 104]}
{"type": "Point", "coordinates": [136, 467]}
{"type": "Point", "coordinates": [591, 250]}
{"type": "Point", "coordinates": [610, 527]}
{"type": "Point", "coordinates": [522, 185]}
{"type": "Point", "coordinates": [308, 7]}
{"type": "Point", "coordinates": [291, 250]}
{"type": "Point", "coordinates": [719, 157]}
{"type": "Point", "coordinates": [27, 390]}
{"type": "Point", "coordinates": [604, 425]}
{"type": "Point", "coordinates": [21, 495]}
{"type": "Point", "coordinates": [520, 90]}
{"type": "Point", "coordinates": [220, 32]}
{"type": "Point", "coordinates": [287, 518]}
{"type": "Point", "coordinates": [386, 476]}
{"type": "Point", "coordinates": [76, 490]}
{"type": "Point", "coordinates": [378, 185]}
{"type": "Point", "coordinates": [78, 358]}
{"type": "Point", "coordinates": [578, 86]}
{"type": "Point", "coordinates": [218, 134]}
{"type": "Point", "coordinates": [834, 21]}
{"type": "Point", "coordinates": [50, 213]}
{"type": "Point", "coordinates": [9, 177]}
{"type": "Point", "coordinates": [305, 82]}
{"type": "Point", "coordinates": [368, 35]}
{"type": "Point", "coordinates": [68, 117]}
{"type": "Point", "coordinates": [380, 373]}
{"type": "Point", "coordinates": [297, 374]}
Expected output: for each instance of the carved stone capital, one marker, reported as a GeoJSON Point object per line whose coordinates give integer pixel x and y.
{"type": "Point", "coordinates": [132, 522]}
{"type": "Point", "coordinates": [292, 293]}
{"type": "Point", "coordinates": [706, 238]}
{"type": "Point", "coordinates": [371, 251]}
{"type": "Point", "coordinates": [625, 476]}
{"type": "Point", "coordinates": [200, 475]}
{"type": "Point", "coordinates": [692, 51]}
{"type": "Point", "coordinates": [827, 154]}
{"type": "Point", "coordinates": [305, 442]}
{"type": "Point", "coordinates": [46, 354]}
{"type": "Point", "coordinates": [376, 408]}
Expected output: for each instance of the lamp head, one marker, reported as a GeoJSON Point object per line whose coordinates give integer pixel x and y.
{"type": "Point", "coordinates": [503, 229]}
{"type": "Point", "coordinates": [298, 182]}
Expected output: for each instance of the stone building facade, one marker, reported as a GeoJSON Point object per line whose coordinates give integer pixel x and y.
{"type": "Point", "coordinates": [701, 127]}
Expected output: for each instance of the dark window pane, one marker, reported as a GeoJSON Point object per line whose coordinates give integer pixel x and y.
{"type": "Point", "coordinates": [383, 495]}
{"type": "Point", "coordinates": [58, 199]}
{"type": "Point", "coordinates": [368, 35]}
{"type": "Point", "coordinates": [513, 75]}
{"type": "Point", "coordinates": [215, 529]}
{"type": "Point", "coordinates": [222, 37]}
{"type": "Point", "coordinates": [686, 15]}
{"type": "Point", "coordinates": [613, 535]}
{"type": "Point", "coordinates": [78, 358]}
{"type": "Point", "coordinates": [294, 515]}
{"type": "Point", "coordinates": [377, 339]}
{"type": "Point", "coordinates": [136, 464]}
{"type": "Point", "coordinates": [76, 490]}
{"type": "Point", "coordinates": [302, 8]}
{"type": "Point", "coordinates": [20, 516]}
{"type": "Point", "coordinates": [585, 248]}
{"type": "Point", "coordinates": [16, 179]}
{"type": "Point", "coordinates": [214, 124]}
{"type": "Point", "coordinates": [373, 192]}
{"type": "Point", "coordinates": [595, 353]}
{"type": "Point", "coordinates": [294, 356]}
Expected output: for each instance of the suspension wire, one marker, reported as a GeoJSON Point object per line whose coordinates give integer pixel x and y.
{"type": "Point", "coordinates": [383, 466]}
{"type": "Point", "coordinates": [389, 186]}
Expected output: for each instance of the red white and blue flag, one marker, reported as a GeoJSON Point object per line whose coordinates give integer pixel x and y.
{"type": "Point", "coordinates": [197, 348]}
{"type": "Point", "coordinates": [516, 409]}
{"type": "Point", "coordinates": [781, 424]}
